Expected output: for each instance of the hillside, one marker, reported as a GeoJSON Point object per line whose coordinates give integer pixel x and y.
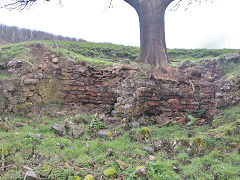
{"type": "Point", "coordinates": [109, 54]}
{"type": "Point", "coordinates": [78, 110]}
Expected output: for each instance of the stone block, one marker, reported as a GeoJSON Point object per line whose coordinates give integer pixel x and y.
{"type": "Point", "coordinates": [30, 81]}
{"type": "Point", "coordinates": [173, 101]}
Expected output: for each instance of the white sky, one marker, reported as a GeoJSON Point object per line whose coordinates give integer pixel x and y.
{"type": "Point", "coordinates": [209, 25]}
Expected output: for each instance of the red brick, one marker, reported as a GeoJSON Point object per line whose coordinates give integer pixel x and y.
{"type": "Point", "coordinates": [154, 98]}
{"type": "Point", "coordinates": [153, 103]}
{"type": "Point", "coordinates": [108, 102]}
{"type": "Point", "coordinates": [147, 94]}
{"type": "Point", "coordinates": [178, 106]}
{"type": "Point", "coordinates": [192, 110]}
{"type": "Point", "coordinates": [95, 101]}
{"type": "Point", "coordinates": [210, 104]}
{"type": "Point", "coordinates": [93, 94]}
{"type": "Point", "coordinates": [161, 108]}
{"type": "Point", "coordinates": [74, 88]}
{"type": "Point", "coordinates": [191, 106]}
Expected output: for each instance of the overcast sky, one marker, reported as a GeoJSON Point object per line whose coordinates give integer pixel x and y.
{"type": "Point", "coordinates": [209, 25]}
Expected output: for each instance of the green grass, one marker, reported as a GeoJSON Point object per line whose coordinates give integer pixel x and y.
{"type": "Point", "coordinates": [104, 55]}
{"type": "Point", "coordinates": [177, 56]}
{"type": "Point", "coordinates": [3, 76]}
{"type": "Point", "coordinates": [88, 155]}
{"type": "Point", "coordinates": [9, 52]}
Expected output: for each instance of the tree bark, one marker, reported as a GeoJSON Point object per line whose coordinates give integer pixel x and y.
{"type": "Point", "coordinates": [152, 31]}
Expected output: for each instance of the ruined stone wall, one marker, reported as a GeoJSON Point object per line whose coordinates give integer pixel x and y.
{"type": "Point", "coordinates": [86, 85]}
{"type": "Point", "coordinates": [228, 93]}
{"type": "Point", "coordinates": [122, 88]}
{"type": "Point", "coordinates": [178, 99]}
{"type": "Point", "coordinates": [56, 81]}
{"type": "Point", "coordinates": [168, 98]}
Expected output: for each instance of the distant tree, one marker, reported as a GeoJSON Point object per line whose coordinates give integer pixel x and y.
{"type": "Point", "coordinates": [13, 34]}
{"type": "Point", "coordinates": [152, 27]}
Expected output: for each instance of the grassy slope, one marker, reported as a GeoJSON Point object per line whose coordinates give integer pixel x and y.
{"type": "Point", "coordinates": [105, 54]}
{"type": "Point", "coordinates": [219, 158]}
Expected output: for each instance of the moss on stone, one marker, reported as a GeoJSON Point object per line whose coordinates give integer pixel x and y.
{"type": "Point", "coordinates": [50, 91]}
{"type": "Point", "coordinates": [110, 172]}
{"type": "Point", "coordinates": [77, 178]}
{"type": "Point", "coordinates": [46, 169]}
{"type": "Point", "coordinates": [138, 167]}
{"type": "Point", "coordinates": [23, 108]}
{"type": "Point", "coordinates": [109, 134]}
{"type": "Point", "coordinates": [89, 177]}
{"type": "Point", "coordinates": [145, 132]}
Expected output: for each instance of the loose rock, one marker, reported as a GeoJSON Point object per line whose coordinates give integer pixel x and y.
{"type": "Point", "coordinates": [103, 133]}
{"type": "Point", "coordinates": [121, 165]}
{"type": "Point", "coordinates": [110, 152]}
{"type": "Point", "coordinates": [148, 149]}
{"type": "Point", "coordinates": [77, 132]}
{"type": "Point", "coordinates": [151, 158]}
{"type": "Point", "coordinates": [30, 175]}
{"type": "Point", "coordinates": [135, 124]}
{"type": "Point", "coordinates": [59, 129]}
{"type": "Point", "coordinates": [16, 63]}
{"type": "Point", "coordinates": [141, 172]}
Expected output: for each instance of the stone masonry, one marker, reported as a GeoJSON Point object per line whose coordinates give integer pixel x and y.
{"type": "Point", "coordinates": [122, 88]}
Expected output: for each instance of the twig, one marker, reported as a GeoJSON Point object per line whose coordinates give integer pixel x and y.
{"type": "Point", "coordinates": [110, 4]}
{"type": "Point", "coordinates": [3, 160]}
{"type": "Point", "coordinates": [39, 115]}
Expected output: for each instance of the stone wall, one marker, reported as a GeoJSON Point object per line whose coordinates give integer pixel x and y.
{"type": "Point", "coordinates": [175, 99]}
{"type": "Point", "coordinates": [168, 98]}
{"type": "Point", "coordinates": [228, 93]}
{"type": "Point", "coordinates": [127, 90]}
{"type": "Point", "coordinates": [60, 81]}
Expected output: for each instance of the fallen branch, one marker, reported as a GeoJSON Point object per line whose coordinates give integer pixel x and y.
{"type": "Point", "coordinates": [3, 160]}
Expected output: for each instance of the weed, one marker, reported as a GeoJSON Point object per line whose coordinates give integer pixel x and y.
{"type": "Point", "coordinates": [97, 124]}
{"type": "Point", "coordinates": [161, 170]}
{"type": "Point", "coordinates": [192, 120]}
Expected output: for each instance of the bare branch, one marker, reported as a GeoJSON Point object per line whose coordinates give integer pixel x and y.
{"type": "Point", "coordinates": [18, 4]}
{"type": "Point", "coordinates": [21, 4]}
{"type": "Point", "coordinates": [176, 6]}
{"type": "Point", "coordinates": [186, 5]}
{"type": "Point", "coordinates": [110, 4]}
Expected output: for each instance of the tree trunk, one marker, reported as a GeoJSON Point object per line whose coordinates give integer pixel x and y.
{"type": "Point", "coordinates": [152, 33]}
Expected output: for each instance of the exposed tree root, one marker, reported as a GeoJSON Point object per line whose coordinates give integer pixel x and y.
{"type": "Point", "coordinates": [166, 73]}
